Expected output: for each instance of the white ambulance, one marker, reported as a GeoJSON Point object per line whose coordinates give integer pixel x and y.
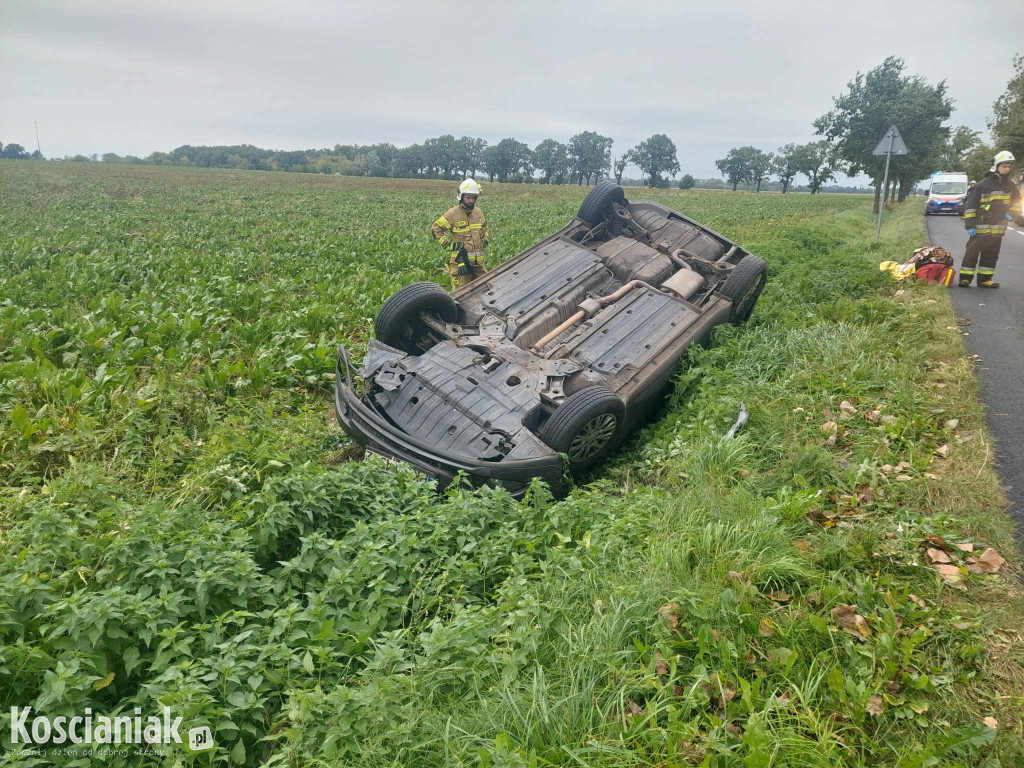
{"type": "Point", "coordinates": [946, 193]}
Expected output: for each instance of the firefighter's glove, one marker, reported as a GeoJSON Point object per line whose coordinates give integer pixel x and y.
{"type": "Point", "coordinates": [972, 232]}
{"type": "Point", "coordinates": [465, 266]}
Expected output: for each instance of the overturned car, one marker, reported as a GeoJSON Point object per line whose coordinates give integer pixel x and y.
{"type": "Point", "coordinates": [560, 351]}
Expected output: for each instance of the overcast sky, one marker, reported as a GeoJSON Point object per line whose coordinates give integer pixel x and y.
{"type": "Point", "coordinates": [134, 77]}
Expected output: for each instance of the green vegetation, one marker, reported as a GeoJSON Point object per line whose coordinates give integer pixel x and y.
{"type": "Point", "coordinates": [183, 524]}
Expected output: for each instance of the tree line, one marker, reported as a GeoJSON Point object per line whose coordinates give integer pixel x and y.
{"type": "Point", "coordinates": [18, 152]}
{"type": "Point", "coordinates": [584, 159]}
{"type": "Point", "coordinates": [886, 95]}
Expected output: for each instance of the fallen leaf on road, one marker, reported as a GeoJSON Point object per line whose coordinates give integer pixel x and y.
{"type": "Point", "coordinates": [917, 601]}
{"type": "Point", "coordinates": [952, 423]}
{"type": "Point", "coordinates": [937, 556]}
{"type": "Point", "coordinates": [943, 450]}
{"type": "Point", "coordinates": [875, 706]}
{"type": "Point", "coordinates": [873, 416]}
{"type": "Point", "coordinates": [633, 707]}
{"type": "Point", "coordinates": [991, 722]}
{"type": "Point", "coordinates": [750, 658]}
{"type": "Point", "coordinates": [829, 426]}
{"type": "Point", "coordinates": [965, 547]}
{"type": "Point", "coordinates": [846, 616]}
{"type": "Point", "coordinates": [936, 541]}
{"type": "Point", "coordinates": [764, 628]}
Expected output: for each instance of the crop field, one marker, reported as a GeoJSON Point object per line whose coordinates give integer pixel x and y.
{"type": "Point", "coordinates": [183, 524]}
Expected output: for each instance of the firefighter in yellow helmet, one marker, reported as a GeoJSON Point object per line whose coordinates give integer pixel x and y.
{"type": "Point", "coordinates": [462, 232]}
{"type": "Point", "coordinates": [993, 202]}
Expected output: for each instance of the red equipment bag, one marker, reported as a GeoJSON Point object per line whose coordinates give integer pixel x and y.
{"type": "Point", "coordinates": [943, 274]}
{"type": "Point", "coordinates": [932, 254]}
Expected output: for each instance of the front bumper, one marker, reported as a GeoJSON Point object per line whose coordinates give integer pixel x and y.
{"type": "Point", "coordinates": [368, 428]}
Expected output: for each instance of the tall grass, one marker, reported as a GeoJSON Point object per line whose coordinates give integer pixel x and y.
{"type": "Point", "coordinates": [177, 527]}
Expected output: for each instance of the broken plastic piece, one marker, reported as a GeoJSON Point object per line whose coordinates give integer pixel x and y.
{"type": "Point", "coordinates": [740, 421]}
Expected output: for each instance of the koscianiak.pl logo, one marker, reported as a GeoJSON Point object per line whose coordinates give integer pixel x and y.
{"type": "Point", "coordinates": [41, 731]}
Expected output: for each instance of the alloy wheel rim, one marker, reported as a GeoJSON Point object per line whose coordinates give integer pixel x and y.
{"type": "Point", "coordinates": [594, 436]}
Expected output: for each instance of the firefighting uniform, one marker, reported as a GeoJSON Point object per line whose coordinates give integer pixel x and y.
{"type": "Point", "coordinates": [985, 212]}
{"type": "Point", "coordinates": [458, 228]}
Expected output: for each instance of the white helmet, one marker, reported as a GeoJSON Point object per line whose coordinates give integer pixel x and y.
{"type": "Point", "coordinates": [468, 187]}
{"type": "Point", "coordinates": [1002, 157]}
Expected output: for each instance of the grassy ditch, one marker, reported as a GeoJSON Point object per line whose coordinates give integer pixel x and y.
{"type": "Point", "coordinates": [180, 527]}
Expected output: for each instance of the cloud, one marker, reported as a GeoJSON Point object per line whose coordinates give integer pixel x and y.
{"type": "Point", "coordinates": [134, 78]}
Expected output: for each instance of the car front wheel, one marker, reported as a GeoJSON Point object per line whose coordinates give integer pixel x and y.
{"type": "Point", "coordinates": [586, 427]}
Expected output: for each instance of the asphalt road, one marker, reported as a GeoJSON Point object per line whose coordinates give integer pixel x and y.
{"type": "Point", "coordinates": [997, 337]}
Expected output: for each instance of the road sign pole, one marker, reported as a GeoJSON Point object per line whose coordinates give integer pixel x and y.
{"type": "Point", "coordinates": [885, 185]}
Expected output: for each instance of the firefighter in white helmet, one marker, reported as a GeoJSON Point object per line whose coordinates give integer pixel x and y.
{"type": "Point", "coordinates": [462, 232]}
{"type": "Point", "coordinates": [994, 201]}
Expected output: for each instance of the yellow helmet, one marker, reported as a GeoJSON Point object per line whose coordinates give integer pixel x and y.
{"type": "Point", "coordinates": [469, 187]}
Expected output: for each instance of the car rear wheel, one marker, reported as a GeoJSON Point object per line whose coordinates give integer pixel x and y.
{"type": "Point", "coordinates": [399, 323]}
{"type": "Point", "coordinates": [587, 426]}
{"type": "Point", "coordinates": [744, 285]}
{"type": "Point", "coordinates": [597, 205]}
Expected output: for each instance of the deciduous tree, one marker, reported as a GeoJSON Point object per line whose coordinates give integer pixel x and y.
{"type": "Point", "coordinates": [736, 165]}
{"type": "Point", "coordinates": [655, 156]}
{"type": "Point", "coordinates": [1007, 123]}
{"type": "Point", "coordinates": [818, 162]}
{"type": "Point", "coordinates": [760, 167]}
{"type": "Point", "coordinates": [875, 100]}
{"type": "Point", "coordinates": [551, 158]}
{"type": "Point", "coordinates": [785, 165]}
{"type": "Point", "coordinates": [590, 156]}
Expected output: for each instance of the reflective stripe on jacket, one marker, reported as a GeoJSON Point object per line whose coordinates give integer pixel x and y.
{"type": "Point", "coordinates": [988, 204]}
{"type": "Point", "coordinates": [457, 225]}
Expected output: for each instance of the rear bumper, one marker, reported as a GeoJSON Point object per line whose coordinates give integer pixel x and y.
{"type": "Point", "coordinates": [370, 429]}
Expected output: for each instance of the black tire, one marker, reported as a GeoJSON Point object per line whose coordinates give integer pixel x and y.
{"type": "Point", "coordinates": [398, 322]}
{"type": "Point", "coordinates": [743, 286]}
{"type": "Point", "coordinates": [587, 426]}
{"type": "Point", "coordinates": [598, 202]}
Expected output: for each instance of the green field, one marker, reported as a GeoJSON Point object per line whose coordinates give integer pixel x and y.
{"type": "Point", "coordinates": [182, 523]}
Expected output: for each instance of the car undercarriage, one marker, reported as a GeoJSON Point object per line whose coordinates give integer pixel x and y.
{"type": "Point", "coordinates": [559, 351]}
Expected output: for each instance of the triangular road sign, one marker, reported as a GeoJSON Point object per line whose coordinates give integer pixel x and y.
{"type": "Point", "coordinates": [897, 147]}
